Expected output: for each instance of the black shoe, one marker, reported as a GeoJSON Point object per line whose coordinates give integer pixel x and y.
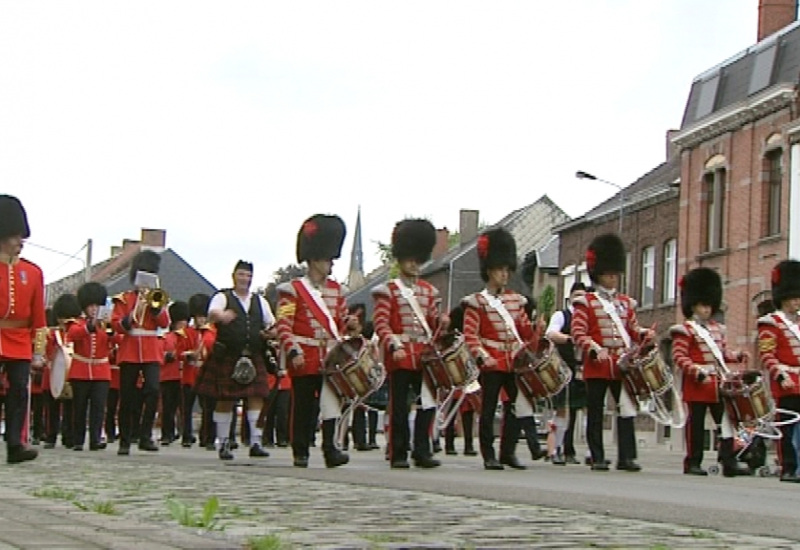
{"type": "Point", "coordinates": [301, 462]}
{"type": "Point", "coordinates": [373, 446]}
{"type": "Point", "coordinates": [736, 469]}
{"type": "Point", "coordinates": [570, 459]}
{"type": "Point", "coordinates": [19, 454]}
{"type": "Point", "coordinates": [450, 451]}
{"type": "Point", "coordinates": [513, 462]}
{"type": "Point", "coordinates": [165, 442]}
{"type": "Point", "coordinates": [225, 451]}
{"type": "Point", "coordinates": [124, 450]}
{"type": "Point", "coordinates": [186, 444]}
{"type": "Point", "coordinates": [256, 451]}
{"type": "Point", "coordinates": [426, 462]}
{"type": "Point", "coordinates": [600, 467]}
{"type": "Point", "coordinates": [336, 458]}
{"type": "Point", "coordinates": [628, 466]}
{"type": "Point", "coordinates": [269, 444]}
{"type": "Point", "coordinates": [400, 464]}
{"type": "Point", "coordinates": [35, 441]}
{"type": "Point", "coordinates": [538, 454]}
{"type": "Point", "coordinates": [49, 445]}
{"type": "Point", "coordinates": [77, 447]}
{"type": "Point", "coordinates": [211, 447]}
{"type": "Point", "coordinates": [282, 444]}
{"type": "Point", "coordinates": [492, 464]}
{"type": "Point", "coordinates": [695, 470]}
{"type": "Point", "coordinates": [361, 447]}
{"type": "Point", "coordinates": [437, 448]}
{"type": "Point", "coordinates": [558, 460]}
{"type": "Point", "coordinates": [147, 445]}
{"type": "Point", "coordinates": [790, 477]}
{"type": "Point", "coordinates": [97, 446]}
{"type": "Point", "coordinates": [470, 452]}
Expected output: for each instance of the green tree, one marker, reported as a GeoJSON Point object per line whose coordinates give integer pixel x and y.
{"type": "Point", "coordinates": [547, 302]}
{"type": "Point", "coordinates": [282, 275]}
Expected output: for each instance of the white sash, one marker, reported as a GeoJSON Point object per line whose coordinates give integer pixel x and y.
{"type": "Point", "coordinates": [500, 307]}
{"type": "Point", "coordinates": [795, 330]}
{"type": "Point", "coordinates": [317, 296]}
{"type": "Point", "coordinates": [609, 308]}
{"type": "Point", "coordinates": [703, 333]}
{"type": "Point", "coordinates": [408, 294]}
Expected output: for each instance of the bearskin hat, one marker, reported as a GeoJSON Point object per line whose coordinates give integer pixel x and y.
{"type": "Point", "coordinates": [700, 286]}
{"type": "Point", "coordinates": [785, 281]}
{"type": "Point", "coordinates": [606, 254]}
{"type": "Point", "coordinates": [146, 260]}
{"type": "Point", "coordinates": [92, 294]}
{"type": "Point", "coordinates": [496, 248]}
{"type": "Point", "coordinates": [198, 305]}
{"type": "Point", "coordinates": [13, 219]}
{"type": "Point", "coordinates": [413, 239]}
{"type": "Point", "coordinates": [67, 307]}
{"type": "Point", "coordinates": [320, 238]}
{"type": "Point", "coordinates": [178, 311]}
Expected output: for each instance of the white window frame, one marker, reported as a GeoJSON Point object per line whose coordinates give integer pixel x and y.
{"type": "Point", "coordinates": [648, 276]}
{"type": "Point", "coordinates": [670, 274]}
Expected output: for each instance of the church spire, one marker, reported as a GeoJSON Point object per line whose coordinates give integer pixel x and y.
{"type": "Point", "coordinates": [355, 278]}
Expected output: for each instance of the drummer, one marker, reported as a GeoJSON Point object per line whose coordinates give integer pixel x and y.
{"type": "Point", "coordinates": [779, 347]}
{"type": "Point", "coordinates": [312, 318]}
{"type": "Point", "coordinates": [700, 351]}
{"type": "Point", "coordinates": [496, 329]}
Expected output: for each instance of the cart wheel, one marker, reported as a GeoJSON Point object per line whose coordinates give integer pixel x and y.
{"type": "Point", "coordinates": [713, 470]}
{"type": "Point", "coordinates": [763, 471]}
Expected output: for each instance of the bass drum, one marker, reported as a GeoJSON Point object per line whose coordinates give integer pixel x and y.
{"type": "Point", "coordinates": [59, 373]}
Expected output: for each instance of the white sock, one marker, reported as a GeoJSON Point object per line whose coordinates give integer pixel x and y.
{"type": "Point", "coordinates": [255, 433]}
{"type": "Point", "coordinates": [223, 421]}
{"type": "Point", "coordinates": [561, 430]}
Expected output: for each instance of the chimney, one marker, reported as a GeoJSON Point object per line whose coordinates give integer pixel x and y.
{"type": "Point", "coordinates": [442, 243]}
{"type": "Point", "coordinates": [467, 226]}
{"type": "Point", "coordinates": [671, 147]}
{"type": "Point", "coordinates": [127, 243]}
{"type": "Point", "coordinates": [773, 15]}
{"type": "Point", "coordinates": [154, 238]}
{"type": "Point", "coordinates": [116, 250]}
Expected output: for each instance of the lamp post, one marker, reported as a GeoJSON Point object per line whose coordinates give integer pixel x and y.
{"type": "Point", "coordinates": [581, 175]}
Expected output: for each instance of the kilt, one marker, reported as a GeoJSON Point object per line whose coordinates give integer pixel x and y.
{"type": "Point", "coordinates": [577, 395]}
{"type": "Point", "coordinates": [214, 379]}
{"type": "Point", "coordinates": [379, 399]}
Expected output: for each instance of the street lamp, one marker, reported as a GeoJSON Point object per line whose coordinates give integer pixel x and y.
{"type": "Point", "coordinates": [581, 175]}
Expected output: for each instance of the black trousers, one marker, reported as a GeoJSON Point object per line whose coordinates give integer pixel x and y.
{"type": "Point", "coordinates": [208, 428]}
{"type": "Point", "coordinates": [112, 402]}
{"type": "Point", "coordinates": [59, 419]}
{"type": "Point", "coordinates": [626, 438]}
{"type": "Point", "coordinates": [37, 411]}
{"type": "Point", "coordinates": [187, 406]}
{"type": "Point", "coordinates": [305, 402]}
{"type": "Point", "coordinates": [128, 375]}
{"type": "Point", "coordinates": [491, 382]}
{"type": "Point", "coordinates": [276, 427]}
{"type": "Point", "coordinates": [467, 419]}
{"type": "Point", "coordinates": [18, 374]}
{"type": "Point", "coordinates": [400, 382]}
{"type": "Point", "coordinates": [786, 449]}
{"type": "Point", "coordinates": [569, 435]}
{"type": "Point", "coordinates": [88, 396]}
{"type": "Point", "coordinates": [695, 430]}
{"type": "Point", "coordinates": [170, 400]}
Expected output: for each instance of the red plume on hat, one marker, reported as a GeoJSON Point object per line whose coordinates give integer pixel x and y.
{"type": "Point", "coordinates": [310, 228]}
{"type": "Point", "coordinates": [591, 259]}
{"type": "Point", "coordinates": [776, 276]}
{"type": "Point", "coordinates": [483, 246]}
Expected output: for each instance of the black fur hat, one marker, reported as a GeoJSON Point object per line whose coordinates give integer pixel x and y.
{"type": "Point", "coordinates": [67, 307]}
{"type": "Point", "coordinates": [320, 238]}
{"type": "Point", "coordinates": [785, 281]}
{"type": "Point", "coordinates": [92, 293]}
{"type": "Point", "coordinates": [178, 311]}
{"type": "Point", "coordinates": [413, 239]}
{"type": "Point", "coordinates": [243, 265]}
{"type": "Point", "coordinates": [198, 305]}
{"type": "Point", "coordinates": [146, 260]}
{"type": "Point", "coordinates": [496, 248]}
{"type": "Point", "coordinates": [457, 318]}
{"type": "Point", "coordinates": [13, 219]}
{"type": "Point", "coordinates": [700, 286]}
{"type": "Point", "coordinates": [606, 254]}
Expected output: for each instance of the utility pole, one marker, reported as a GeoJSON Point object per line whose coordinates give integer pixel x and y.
{"type": "Point", "coordinates": [87, 273]}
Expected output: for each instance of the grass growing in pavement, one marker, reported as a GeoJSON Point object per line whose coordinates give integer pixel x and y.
{"type": "Point", "coordinates": [267, 542]}
{"type": "Point", "coordinates": [186, 516]}
{"type": "Point", "coordinates": [106, 508]}
{"type": "Point", "coordinates": [56, 493]}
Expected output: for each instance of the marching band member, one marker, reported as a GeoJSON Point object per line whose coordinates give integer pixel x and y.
{"type": "Point", "coordinates": [139, 354]}
{"type": "Point", "coordinates": [312, 316]}
{"type": "Point", "coordinates": [112, 399]}
{"type": "Point", "coordinates": [406, 317]}
{"type": "Point", "coordinates": [779, 347]}
{"type": "Point", "coordinates": [496, 328]}
{"type": "Point", "coordinates": [699, 349]}
{"type": "Point", "coordinates": [236, 369]}
{"type": "Point", "coordinates": [22, 320]}
{"type": "Point", "coordinates": [199, 339]}
{"type": "Point", "coordinates": [468, 406]}
{"type": "Point", "coordinates": [67, 311]}
{"type": "Point", "coordinates": [172, 369]}
{"type": "Point", "coordinates": [605, 326]}
{"type": "Point", "coordinates": [90, 371]}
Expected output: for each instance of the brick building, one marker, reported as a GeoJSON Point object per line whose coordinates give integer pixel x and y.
{"type": "Point", "coordinates": [740, 165]}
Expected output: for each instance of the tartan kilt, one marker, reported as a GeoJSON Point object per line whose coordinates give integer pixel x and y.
{"type": "Point", "coordinates": [577, 395]}
{"type": "Point", "coordinates": [214, 379]}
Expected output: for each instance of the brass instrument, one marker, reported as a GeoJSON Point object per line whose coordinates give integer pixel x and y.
{"type": "Point", "coordinates": [155, 298]}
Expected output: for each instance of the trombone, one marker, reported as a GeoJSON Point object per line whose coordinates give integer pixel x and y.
{"type": "Point", "coordinates": [148, 296]}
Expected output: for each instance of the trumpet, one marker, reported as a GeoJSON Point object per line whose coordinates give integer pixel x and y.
{"type": "Point", "coordinates": [155, 298]}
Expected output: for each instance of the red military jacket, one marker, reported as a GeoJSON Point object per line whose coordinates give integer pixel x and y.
{"type": "Point", "coordinates": [398, 327]}
{"type": "Point", "coordinates": [21, 308]}
{"type": "Point", "coordinates": [188, 347]}
{"type": "Point", "coordinates": [593, 329]}
{"type": "Point", "coordinates": [690, 353]}
{"type": "Point", "coordinates": [114, 340]}
{"type": "Point", "coordinates": [299, 330]}
{"type": "Point", "coordinates": [139, 344]}
{"type": "Point", "coordinates": [90, 357]}
{"type": "Point", "coordinates": [779, 349]}
{"type": "Point", "coordinates": [487, 335]}
{"type": "Point", "coordinates": [170, 370]}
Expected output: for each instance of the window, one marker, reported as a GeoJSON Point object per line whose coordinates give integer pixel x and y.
{"type": "Point", "coordinates": [772, 192]}
{"type": "Point", "coordinates": [670, 265]}
{"type": "Point", "coordinates": [714, 188]}
{"type": "Point", "coordinates": [648, 275]}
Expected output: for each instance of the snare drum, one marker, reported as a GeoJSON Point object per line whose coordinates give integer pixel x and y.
{"type": "Point", "coordinates": [648, 375]}
{"type": "Point", "coordinates": [351, 368]}
{"type": "Point", "coordinates": [541, 375]}
{"type": "Point", "coordinates": [449, 363]}
{"type": "Point", "coordinates": [746, 398]}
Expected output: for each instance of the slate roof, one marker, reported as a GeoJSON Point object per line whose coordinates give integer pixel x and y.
{"type": "Point", "coordinates": [774, 60]}
{"type": "Point", "coordinates": [547, 256]}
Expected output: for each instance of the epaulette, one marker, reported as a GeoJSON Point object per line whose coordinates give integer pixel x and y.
{"type": "Point", "coordinates": [119, 297]}
{"type": "Point", "coordinates": [679, 329]}
{"type": "Point", "coordinates": [767, 319]}
{"type": "Point", "coordinates": [286, 288]}
{"type": "Point", "coordinates": [470, 301]}
{"type": "Point", "coordinates": [382, 290]}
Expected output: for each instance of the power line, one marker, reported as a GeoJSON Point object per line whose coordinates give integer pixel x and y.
{"type": "Point", "coordinates": [60, 253]}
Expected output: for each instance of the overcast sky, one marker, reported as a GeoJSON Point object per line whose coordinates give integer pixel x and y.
{"type": "Point", "coordinates": [228, 124]}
